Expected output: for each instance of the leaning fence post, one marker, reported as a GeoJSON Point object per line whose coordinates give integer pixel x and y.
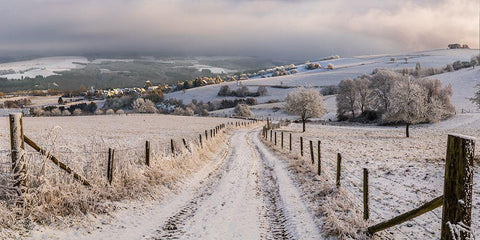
{"type": "Point", "coordinates": [457, 191]}
{"type": "Point", "coordinates": [301, 146]}
{"type": "Point", "coordinates": [147, 153]}
{"type": "Point", "coordinates": [200, 138]}
{"type": "Point", "coordinates": [319, 170]}
{"type": "Point", "coordinates": [111, 157]}
{"type": "Point", "coordinates": [206, 135]}
{"type": "Point", "coordinates": [185, 144]}
{"type": "Point", "coordinates": [366, 211]}
{"type": "Point", "coordinates": [339, 168]}
{"type": "Point", "coordinates": [18, 150]}
{"type": "Point", "coordinates": [172, 148]}
{"type": "Point", "coordinates": [311, 152]}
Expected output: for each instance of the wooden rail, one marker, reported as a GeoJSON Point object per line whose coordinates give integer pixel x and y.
{"type": "Point", "coordinates": [56, 161]}
{"type": "Point", "coordinates": [427, 207]}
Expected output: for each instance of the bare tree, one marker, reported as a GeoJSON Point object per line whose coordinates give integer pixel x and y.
{"type": "Point", "coordinates": [305, 102]}
{"type": "Point", "coordinates": [347, 97]}
{"type": "Point", "coordinates": [407, 103]}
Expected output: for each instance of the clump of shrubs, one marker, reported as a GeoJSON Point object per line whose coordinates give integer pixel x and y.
{"type": "Point", "coordinates": [20, 103]}
{"type": "Point", "coordinates": [311, 66]}
{"type": "Point", "coordinates": [243, 91]}
{"type": "Point", "coordinates": [242, 110]}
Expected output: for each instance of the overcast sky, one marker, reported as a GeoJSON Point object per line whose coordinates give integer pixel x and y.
{"type": "Point", "coordinates": [288, 29]}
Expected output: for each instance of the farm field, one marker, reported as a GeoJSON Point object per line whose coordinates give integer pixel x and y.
{"type": "Point", "coordinates": [344, 68]}
{"type": "Point", "coordinates": [403, 172]}
{"type": "Point", "coordinates": [92, 133]}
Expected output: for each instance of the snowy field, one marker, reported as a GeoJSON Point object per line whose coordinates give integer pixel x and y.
{"type": "Point", "coordinates": [90, 133]}
{"type": "Point", "coordinates": [403, 172]}
{"type": "Point", "coordinates": [348, 68]}
{"type": "Point", "coordinates": [41, 66]}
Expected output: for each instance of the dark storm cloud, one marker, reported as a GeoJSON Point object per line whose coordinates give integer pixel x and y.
{"type": "Point", "coordinates": [296, 29]}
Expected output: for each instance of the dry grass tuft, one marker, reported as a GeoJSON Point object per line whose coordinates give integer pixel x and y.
{"type": "Point", "coordinates": [334, 208]}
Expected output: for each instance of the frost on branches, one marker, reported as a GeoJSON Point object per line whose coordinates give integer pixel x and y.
{"type": "Point", "coordinates": [397, 98]}
{"type": "Point", "coordinates": [243, 110]}
{"type": "Point", "coordinates": [407, 103]}
{"type": "Point", "coordinates": [141, 105]}
{"type": "Point", "coordinates": [306, 103]}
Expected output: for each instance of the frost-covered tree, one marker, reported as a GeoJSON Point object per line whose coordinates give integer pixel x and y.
{"type": "Point", "coordinates": [189, 111]}
{"type": "Point", "coordinates": [77, 112]}
{"type": "Point", "coordinates": [475, 61]}
{"type": "Point", "coordinates": [437, 99]}
{"type": "Point", "coordinates": [364, 93]}
{"type": "Point", "coordinates": [346, 97]}
{"type": "Point", "coordinates": [407, 103]}
{"type": "Point", "coordinates": [224, 91]}
{"type": "Point", "coordinates": [381, 85]}
{"type": "Point", "coordinates": [306, 103]}
{"type": "Point", "coordinates": [178, 111]}
{"type": "Point", "coordinates": [141, 105]}
{"type": "Point", "coordinates": [243, 110]}
{"type": "Point", "coordinates": [262, 90]}
{"type": "Point", "coordinates": [56, 112]}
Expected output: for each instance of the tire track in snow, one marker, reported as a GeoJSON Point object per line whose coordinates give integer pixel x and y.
{"type": "Point", "coordinates": [174, 226]}
{"type": "Point", "coordinates": [273, 211]}
{"type": "Point", "coordinates": [289, 216]}
{"type": "Point", "coordinates": [250, 196]}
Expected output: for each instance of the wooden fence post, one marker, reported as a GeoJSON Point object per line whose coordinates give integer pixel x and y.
{"type": "Point", "coordinates": [185, 144]}
{"type": "Point", "coordinates": [457, 191]}
{"type": "Point", "coordinates": [147, 153]}
{"type": "Point", "coordinates": [17, 145]}
{"type": "Point", "coordinates": [290, 142]}
{"type": "Point", "coordinates": [172, 147]}
{"type": "Point", "coordinates": [111, 157]}
{"type": "Point", "coordinates": [211, 133]}
{"type": "Point", "coordinates": [275, 138]}
{"type": "Point", "coordinates": [366, 211]}
{"type": "Point", "coordinates": [271, 135]}
{"type": "Point", "coordinates": [200, 138]}
{"type": "Point", "coordinates": [301, 146]}
{"type": "Point", "coordinates": [339, 168]}
{"type": "Point", "coordinates": [311, 152]}
{"type": "Point", "coordinates": [282, 138]}
{"type": "Point", "coordinates": [319, 162]}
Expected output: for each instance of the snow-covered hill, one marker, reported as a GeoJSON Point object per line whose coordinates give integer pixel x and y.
{"type": "Point", "coordinates": [463, 81]}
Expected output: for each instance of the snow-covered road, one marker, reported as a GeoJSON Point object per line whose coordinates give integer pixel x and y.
{"type": "Point", "coordinates": [246, 193]}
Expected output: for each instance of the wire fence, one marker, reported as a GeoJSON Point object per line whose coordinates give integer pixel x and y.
{"type": "Point", "coordinates": [389, 195]}
{"type": "Point", "coordinates": [92, 160]}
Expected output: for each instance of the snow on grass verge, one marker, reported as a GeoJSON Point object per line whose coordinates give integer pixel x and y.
{"type": "Point", "coordinates": [335, 209]}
